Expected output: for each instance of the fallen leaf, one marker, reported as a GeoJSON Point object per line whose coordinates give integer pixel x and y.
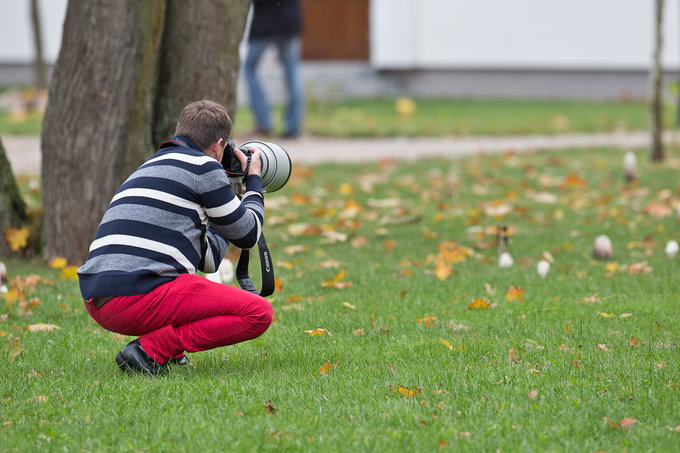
{"type": "Point", "coordinates": [447, 344]}
{"type": "Point", "coordinates": [70, 272]}
{"type": "Point", "coordinates": [42, 327]}
{"type": "Point", "coordinates": [58, 263]}
{"type": "Point", "coordinates": [348, 305]}
{"type": "Point", "coordinates": [318, 332]}
{"type": "Point", "coordinates": [607, 315]}
{"type": "Point", "coordinates": [358, 332]}
{"type": "Point", "coordinates": [478, 303]}
{"type": "Point", "coordinates": [295, 249]}
{"type": "Point", "coordinates": [639, 268]}
{"type": "Point", "coordinates": [14, 348]}
{"type": "Point", "coordinates": [427, 320]}
{"type": "Point", "coordinates": [407, 392]}
{"type": "Point", "coordinates": [269, 408]}
{"type": "Point", "coordinates": [327, 367]}
{"type": "Point", "coordinates": [515, 293]}
{"type": "Point", "coordinates": [573, 180]}
{"type": "Point", "coordinates": [17, 238]}
{"type": "Point", "coordinates": [442, 269]}
{"type": "Point", "coordinates": [659, 209]}
{"type": "Point", "coordinates": [533, 394]}
{"type": "Point", "coordinates": [336, 281]}
{"type": "Point", "coordinates": [626, 422]}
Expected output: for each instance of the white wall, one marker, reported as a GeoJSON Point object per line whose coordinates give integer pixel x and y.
{"type": "Point", "coordinates": [16, 32]}
{"type": "Point", "coordinates": [543, 34]}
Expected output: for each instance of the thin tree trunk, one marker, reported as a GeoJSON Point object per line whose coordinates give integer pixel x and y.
{"type": "Point", "coordinates": [12, 206]}
{"type": "Point", "coordinates": [96, 129]}
{"type": "Point", "coordinates": [199, 58]}
{"type": "Point", "coordinates": [39, 61]}
{"type": "Point", "coordinates": [657, 154]}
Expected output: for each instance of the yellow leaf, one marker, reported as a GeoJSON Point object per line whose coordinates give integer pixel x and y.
{"type": "Point", "coordinates": [442, 269]}
{"type": "Point", "coordinates": [318, 332]}
{"type": "Point", "coordinates": [70, 272]}
{"type": "Point", "coordinates": [346, 189]}
{"type": "Point", "coordinates": [42, 327]}
{"type": "Point", "coordinates": [336, 281]}
{"type": "Point", "coordinates": [447, 344]}
{"type": "Point", "coordinates": [427, 320]}
{"type": "Point", "coordinates": [58, 263]}
{"type": "Point", "coordinates": [17, 238]}
{"type": "Point", "coordinates": [407, 392]}
{"type": "Point", "coordinates": [479, 303]}
{"type": "Point", "coordinates": [611, 267]}
{"type": "Point", "coordinates": [348, 305]}
{"type": "Point", "coordinates": [515, 293]}
{"type": "Point", "coordinates": [405, 106]}
{"type": "Point", "coordinates": [607, 315]}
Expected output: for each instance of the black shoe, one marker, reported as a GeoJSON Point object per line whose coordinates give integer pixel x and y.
{"type": "Point", "coordinates": [182, 361]}
{"type": "Point", "coordinates": [133, 359]}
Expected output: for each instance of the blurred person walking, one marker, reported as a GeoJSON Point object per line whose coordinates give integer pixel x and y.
{"type": "Point", "coordinates": [277, 23]}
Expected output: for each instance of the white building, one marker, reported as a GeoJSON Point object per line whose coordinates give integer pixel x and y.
{"type": "Point", "coordinates": [489, 48]}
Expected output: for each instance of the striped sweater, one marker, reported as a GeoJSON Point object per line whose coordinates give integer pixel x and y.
{"type": "Point", "coordinates": [175, 214]}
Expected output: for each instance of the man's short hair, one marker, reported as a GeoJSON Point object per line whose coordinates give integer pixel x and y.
{"type": "Point", "coordinates": [204, 122]}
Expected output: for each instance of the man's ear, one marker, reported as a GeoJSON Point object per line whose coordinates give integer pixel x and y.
{"type": "Point", "coordinates": [215, 148]}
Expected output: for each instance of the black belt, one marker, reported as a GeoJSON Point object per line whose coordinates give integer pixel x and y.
{"type": "Point", "coordinates": [98, 302]}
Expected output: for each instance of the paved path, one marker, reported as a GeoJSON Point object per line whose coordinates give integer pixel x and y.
{"type": "Point", "coordinates": [24, 152]}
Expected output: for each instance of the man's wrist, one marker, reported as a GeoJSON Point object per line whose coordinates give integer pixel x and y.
{"type": "Point", "coordinates": [254, 183]}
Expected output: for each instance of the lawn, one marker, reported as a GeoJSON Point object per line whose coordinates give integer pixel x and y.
{"type": "Point", "coordinates": [434, 117]}
{"type": "Point", "coordinates": [423, 341]}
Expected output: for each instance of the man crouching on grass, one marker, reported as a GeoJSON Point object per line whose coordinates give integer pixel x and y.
{"type": "Point", "coordinates": [173, 216]}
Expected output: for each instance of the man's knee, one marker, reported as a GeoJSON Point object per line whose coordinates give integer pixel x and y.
{"type": "Point", "coordinates": [263, 315]}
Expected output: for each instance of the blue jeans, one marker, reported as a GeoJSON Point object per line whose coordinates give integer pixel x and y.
{"type": "Point", "coordinates": [288, 48]}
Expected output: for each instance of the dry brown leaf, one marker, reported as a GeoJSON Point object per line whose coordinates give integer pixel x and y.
{"type": "Point", "coordinates": [41, 327]}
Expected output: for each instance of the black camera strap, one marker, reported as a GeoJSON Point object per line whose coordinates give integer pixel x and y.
{"type": "Point", "coordinates": [265, 264]}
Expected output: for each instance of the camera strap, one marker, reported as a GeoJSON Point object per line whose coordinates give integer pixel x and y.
{"type": "Point", "coordinates": [266, 266]}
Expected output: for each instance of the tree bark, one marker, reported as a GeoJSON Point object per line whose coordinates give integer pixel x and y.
{"type": "Point", "coordinates": [96, 128]}
{"type": "Point", "coordinates": [39, 61]}
{"type": "Point", "coordinates": [199, 58]}
{"type": "Point", "coordinates": [657, 154]}
{"type": "Point", "coordinates": [12, 206]}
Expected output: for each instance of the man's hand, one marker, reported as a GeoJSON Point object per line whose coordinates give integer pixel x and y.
{"type": "Point", "coordinates": [255, 162]}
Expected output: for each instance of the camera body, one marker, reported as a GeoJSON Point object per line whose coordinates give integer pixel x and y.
{"type": "Point", "coordinates": [276, 165]}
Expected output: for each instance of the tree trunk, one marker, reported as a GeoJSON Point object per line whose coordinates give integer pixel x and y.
{"type": "Point", "coordinates": [39, 61]}
{"type": "Point", "coordinates": [657, 101]}
{"type": "Point", "coordinates": [96, 128]}
{"type": "Point", "coordinates": [125, 71]}
{"type": "Point", "coordinates": [12, 206]}
{"type": "Point", "coordinates": [199, 58]}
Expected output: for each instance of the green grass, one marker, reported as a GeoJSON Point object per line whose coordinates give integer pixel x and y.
{"type": "Point", "coordinates": [472, 397]}
{"type": "Point", "coordinates": [462, 117]}
{"type": "Point", "coordinates": [436, 117]}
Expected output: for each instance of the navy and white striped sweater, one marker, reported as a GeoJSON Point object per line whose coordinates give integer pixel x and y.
{"type": "Point", "coordinates": [175, 214]}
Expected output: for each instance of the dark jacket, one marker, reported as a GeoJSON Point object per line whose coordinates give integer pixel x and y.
{"type": "Point", "coordinates": [275, 18]}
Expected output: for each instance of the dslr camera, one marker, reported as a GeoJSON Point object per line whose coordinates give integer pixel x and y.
{"type": "Point", "coordinates": [276, 165]}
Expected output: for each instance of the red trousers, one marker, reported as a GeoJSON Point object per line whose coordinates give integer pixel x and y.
{"type": "Point", "coordinates": [190, 313]}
